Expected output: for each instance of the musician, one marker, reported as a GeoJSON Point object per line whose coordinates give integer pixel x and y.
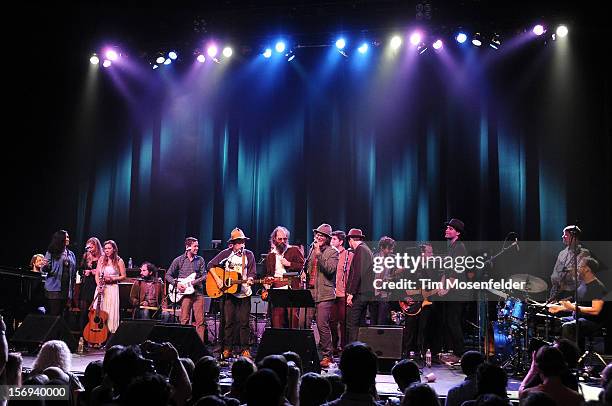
{"type": "Point", "coordinates": [359, 286]}
{"type": "Point", "coordinates": [37, 295]}
{"type": "Point", "coordinates": [60, 267]}
{"type": "Point", "coordinates": [283, 258]}
{"type": "Point", "coordinates": [181, 267]}
{"type": "Point", "coordinates": [562, 277]}
{"type": "Point", "coordinates": [338, 314]}
{"type": "Point", "coordinates": [147, 292]}
{"type": "Point", "coordinates": [591, 295]}
{"type": "Point", "coordinates": [417, 326]}
{"type": "Point", "coordinates": [321, 268]}
{"type": "Point", "coordinates": [110, 271]}
{"type": "Point", "coordinates": [237, 306]}
{"type": "Point", "coordinates": [455, 299]}
{"type": "Point", "coordinates": [87, 270]}
{"type": "Point", "coordinates": [380, 306]}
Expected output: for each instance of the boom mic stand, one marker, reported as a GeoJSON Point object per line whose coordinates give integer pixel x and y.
{"type": "Point", "coordinates": [487, 338]}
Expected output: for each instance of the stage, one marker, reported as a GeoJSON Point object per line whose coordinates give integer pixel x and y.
{"type": "Point", "coordinates": [446, 377]}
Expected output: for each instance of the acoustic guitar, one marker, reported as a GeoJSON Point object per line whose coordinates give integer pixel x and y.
{"type": "Point", "coordinates": [96, 330]}
{"type": "Point", "coordinates": [230, 280]}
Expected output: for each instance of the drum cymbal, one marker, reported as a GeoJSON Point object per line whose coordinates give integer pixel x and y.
{"type": "Point", "coordinates": [532, 284]}
{"type": "Point", "coordinates": [499, 293]}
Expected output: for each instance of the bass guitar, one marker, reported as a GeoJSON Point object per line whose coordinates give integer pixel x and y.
{"type": "Point", "coordinates": [96, 330]}
{"type": "Point", "coordinates": [229, 281]}
{"type": "Point", "coordinates": [189, 282]}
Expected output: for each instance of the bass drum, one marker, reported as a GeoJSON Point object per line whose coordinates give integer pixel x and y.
{"type": "Point", "coordinates": [503, 340]}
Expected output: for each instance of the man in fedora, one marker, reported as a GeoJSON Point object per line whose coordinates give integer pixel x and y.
{"type": "Point", "coordinates": [321, 268]}
{"type": "Point", "coordinates": [359, 287]}
{"type": "Point", "coordinates": [455, 299]}
{"type": "Point", "coordinates": [182, 266]}
{"type": "Point", "coordinates": [237, 306]}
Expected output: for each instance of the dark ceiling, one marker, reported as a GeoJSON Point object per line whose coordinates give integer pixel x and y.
{"type": "Point", "coordinates": [143, 25]}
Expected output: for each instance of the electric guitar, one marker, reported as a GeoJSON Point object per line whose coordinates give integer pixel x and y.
{"type": "Point", "coordinates": [190, 281]}
{"type": "Point", "coordinates": [411, 307]}
{"type": "Point", "coordinates": [230, 280]}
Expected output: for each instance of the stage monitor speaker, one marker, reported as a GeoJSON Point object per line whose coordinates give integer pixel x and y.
{"type": "Point", "coordinates": [386, 342]}
{"type": "Point", "coordinates": [132, 332]}
{"type": "Point", "coordinates": [37, 329]}
{"type": "Point", "coordinates": [183, 338]}
{"type": "Point", "coordinates": [279, 340]}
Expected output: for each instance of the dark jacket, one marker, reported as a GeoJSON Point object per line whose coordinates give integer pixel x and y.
{"type": "Point", "coordinates": [327, 264]}
{"type": "Point", "coordinates": [361, 275]}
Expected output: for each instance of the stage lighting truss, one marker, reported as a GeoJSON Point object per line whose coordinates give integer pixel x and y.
{"type": "Point", "coordinates": [422, 40]}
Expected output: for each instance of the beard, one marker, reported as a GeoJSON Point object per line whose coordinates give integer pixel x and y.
{"type": "Point", "coordinates": [280, 246]}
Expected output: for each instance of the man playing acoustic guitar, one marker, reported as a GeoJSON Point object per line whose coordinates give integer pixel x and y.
{"type": "Point", "coordinates": [183, 267]}
{"type": "Point", "coordinates": [236, 306]}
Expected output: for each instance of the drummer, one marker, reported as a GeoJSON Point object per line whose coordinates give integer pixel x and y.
{"type": "Point", "coordinates": [591, 295]}
{"type": "Point", "coordinates": [562, 277]}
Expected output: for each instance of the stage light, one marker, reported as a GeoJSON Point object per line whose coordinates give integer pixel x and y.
{"type": "Point", "coordinates": [201, 58]}
{"type": "Point", "coordinates": [227, 52]}
{"type": "Point", "coordinates": [112, 55]}
{"type": "Point", "coordinates": [94, 60]}
{"type": "Point", "coordinates": [461, 38]}
{"type": "Point", "coordinates": [212, 51]}
{"type": "Point", "coordinates": [396, 42]}
{"type": "Point", "coordinates": [438, 44]}
{"type": "Point", "coordinates": [280, 47]}
{"type": "Point", "coordinates": [106, 63]}
{"type": "Point", "coordinates": [168, 61]}
{"type": "Point", "coordinates": [292, 57]}
{"type": "Point", "coordinates": [155, 67]}
{"type": "Point", "coordinates": [340, 43]}
{"type": "Point", "coordinates": [415, 38]}
{"type": "Point", "coordinates": [538, 30]}
{"type": "Point", "coordinates": [495, 42]}
{"type": "Point", "coordinates": [267, 53]}
{"type": "Point", "coordinates": [477, 39]}
{"type": "Point", "coordinates": [363, 48]}
{"type": "Point", "coordinates": [422, 48]}
{"type": "Point", "coordinates": [172, 55]}
{"type": "Point", "coordinates": [160, 60]}
{"type": "Point", "coordinates": [562, 31]}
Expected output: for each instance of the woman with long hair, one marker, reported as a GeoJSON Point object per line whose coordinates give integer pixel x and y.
{"type": "Point", "coordinates": [110, 271]}
{"type": "Point", "coordinates": [60, 266]}
{"type": "Point", "coordinates": [87, 270]}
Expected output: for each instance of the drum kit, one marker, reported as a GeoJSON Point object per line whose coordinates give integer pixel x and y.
{"type": "Point", "coordinates": [514, 331]}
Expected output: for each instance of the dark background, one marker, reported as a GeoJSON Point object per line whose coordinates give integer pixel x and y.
{"type": "Point", "coordinates": [396, 160]}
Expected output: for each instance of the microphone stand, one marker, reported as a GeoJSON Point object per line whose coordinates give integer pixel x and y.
{"type": "Point", "coordinates": [489, 261]}
{"type": "Point", "coordinates": [307, 281]}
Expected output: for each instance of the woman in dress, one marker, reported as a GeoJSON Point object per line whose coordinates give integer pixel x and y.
{"type": "Point", "coordinates": [87, 269]}
{"type": "Point", "coordinates": [60, 266]}
{"type": "Point", "coordinates": [110, 271]}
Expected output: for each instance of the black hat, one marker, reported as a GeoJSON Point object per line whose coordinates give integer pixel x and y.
{"type": "Point", "coordinates": [456, 224]}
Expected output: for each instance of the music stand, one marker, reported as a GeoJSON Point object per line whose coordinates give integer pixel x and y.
{"type": "Point", "coordinates": [295, 298]}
